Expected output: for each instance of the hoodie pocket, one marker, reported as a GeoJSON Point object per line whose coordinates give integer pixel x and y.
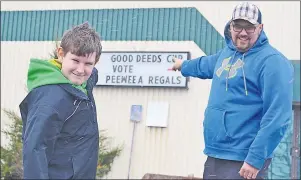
{"type": "Point", "coordinates": [214, 126]}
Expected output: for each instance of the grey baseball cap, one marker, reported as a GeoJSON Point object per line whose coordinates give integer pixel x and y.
{"type": "Point", "coordinates": [247, 11]}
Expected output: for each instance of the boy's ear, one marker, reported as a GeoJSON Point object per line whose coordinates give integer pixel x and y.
{"type": "Point", "coordinates": [60, 54]}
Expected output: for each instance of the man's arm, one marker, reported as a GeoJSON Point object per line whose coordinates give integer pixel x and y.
{"type": "Point", "coordinates": [276, 81]}
{"type": "Point", "coordinates": [202, 67]}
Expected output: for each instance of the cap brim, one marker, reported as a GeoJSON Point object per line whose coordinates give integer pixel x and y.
{"type": "Point", "coordinates": [252, 21]}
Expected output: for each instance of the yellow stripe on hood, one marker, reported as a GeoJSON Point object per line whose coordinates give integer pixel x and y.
{"type": "Point", "coordinates": [56, 63]}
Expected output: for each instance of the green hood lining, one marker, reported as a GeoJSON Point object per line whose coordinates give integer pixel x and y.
{"type": "Point", "coordinates": [45, 72]}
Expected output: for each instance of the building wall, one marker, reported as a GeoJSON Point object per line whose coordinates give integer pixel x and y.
{"type": "Point", "coordinates": [281, 19]}
{"type": "Point", "coordinates": [177, 149]}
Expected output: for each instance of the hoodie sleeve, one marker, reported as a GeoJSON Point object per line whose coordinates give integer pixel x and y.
{"type": "Point", "coordinates": [42, 129]}
{"type": "Point", "coordinates": [276, 82]}
{"type": "Point", "coordinates": [202, 67]}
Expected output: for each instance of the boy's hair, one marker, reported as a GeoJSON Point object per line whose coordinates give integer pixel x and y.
{"type": "Point", "coordinates": [82, 40]}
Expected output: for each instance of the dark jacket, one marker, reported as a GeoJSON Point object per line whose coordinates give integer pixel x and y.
{"type": "Point", "coordinates": [60, 130]}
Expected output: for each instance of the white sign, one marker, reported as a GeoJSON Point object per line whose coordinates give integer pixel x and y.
{"type": "Point", "coordinates": [157, 114]}
{"type": "Point", "coordinates": [140, 69]}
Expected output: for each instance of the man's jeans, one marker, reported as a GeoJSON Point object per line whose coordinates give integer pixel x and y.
{"type": "Point", "coordinates": [228, 169]}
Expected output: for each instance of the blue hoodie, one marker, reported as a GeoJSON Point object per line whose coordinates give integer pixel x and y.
{"type": "Point", "coordinates": [250, 103]}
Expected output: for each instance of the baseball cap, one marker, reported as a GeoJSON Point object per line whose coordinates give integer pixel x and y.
{"type": "Point", "coordinates": [247, 11]}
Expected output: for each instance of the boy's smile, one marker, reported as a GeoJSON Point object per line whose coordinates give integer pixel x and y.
{"type": "Point", "coordinates": [77, 69]}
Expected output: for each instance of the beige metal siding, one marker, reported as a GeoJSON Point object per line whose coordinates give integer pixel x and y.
{"type": "Point", "coordinates": [171, 150]}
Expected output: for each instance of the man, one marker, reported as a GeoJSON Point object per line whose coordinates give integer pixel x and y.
{"type": "Point", "coordinates": [250, 103]}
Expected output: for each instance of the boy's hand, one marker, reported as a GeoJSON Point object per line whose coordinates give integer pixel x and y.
{"type": "Point", "coordinates": [177, 64]}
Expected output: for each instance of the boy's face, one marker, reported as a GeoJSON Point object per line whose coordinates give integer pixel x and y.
{"type": "Point", "coordinates": [77, 69]}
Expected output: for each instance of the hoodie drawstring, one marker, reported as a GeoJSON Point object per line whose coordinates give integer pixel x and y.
{"type": "Point", "coordinates": [243, 72]}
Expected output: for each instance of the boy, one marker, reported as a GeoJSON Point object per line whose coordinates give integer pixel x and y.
{"type": "Point", "coordinates": [60, 130]}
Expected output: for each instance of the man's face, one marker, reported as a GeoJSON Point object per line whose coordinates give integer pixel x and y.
{"type": "Point", "coordinates": [244, 34]}
{"type": "Point", "coordinates": [77, 69]}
